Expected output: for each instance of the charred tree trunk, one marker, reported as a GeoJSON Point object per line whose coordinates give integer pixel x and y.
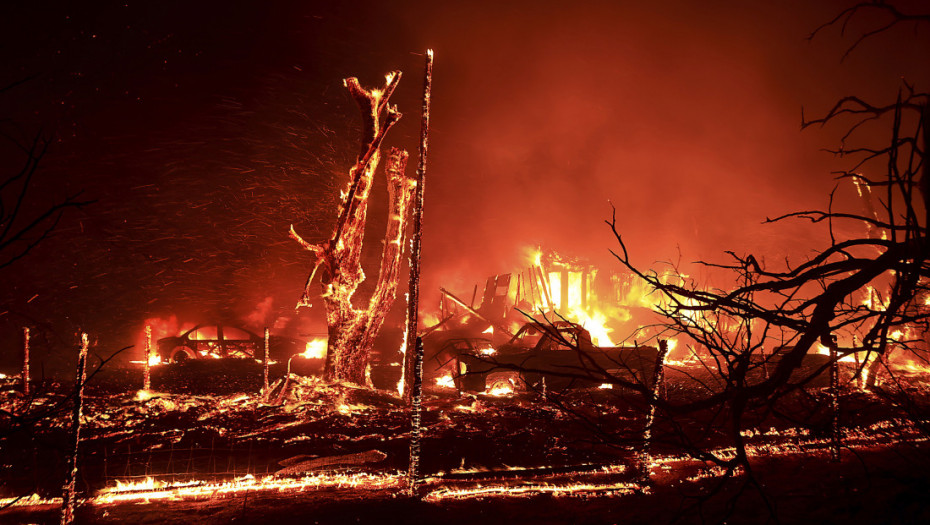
{"type": "Point", "coordinates": [352, 330]}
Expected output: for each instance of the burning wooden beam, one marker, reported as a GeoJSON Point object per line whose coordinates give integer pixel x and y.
{"type": "Point", "coordinates": [472, 311]}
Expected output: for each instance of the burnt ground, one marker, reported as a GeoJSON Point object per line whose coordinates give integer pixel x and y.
{"type": "Point", "coordinates": [207, 424]}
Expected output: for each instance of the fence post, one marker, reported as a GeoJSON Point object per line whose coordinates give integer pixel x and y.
{"type": "Point", "coordinates": [26, 361]}
{"type": "Point", "coordinates": [658, 377]}
{"type": "Point", "coordinates": [69, 497]}
{"type": "Point", "coordinates": [416, 391]}
{"type": "Point", "coordinates": [265, 364]}
{"type": "Point", "coordinates": [147, 373]}
{"type": "Point", "coordinates": [834, 400]}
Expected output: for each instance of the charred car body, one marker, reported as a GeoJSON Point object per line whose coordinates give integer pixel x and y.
{"type": "Point", "coordinates": [219, 341]}
{"type": "Point", "coordinates": [559, 355]}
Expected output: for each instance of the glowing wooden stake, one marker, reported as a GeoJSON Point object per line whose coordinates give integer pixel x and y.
{"type": "Point", "coordinates": [658, 377]}
{"type": "Point", "coordinates": [26, 361]}
{"type": "Point", "coordinates": [413, 471]}
{"type": "Point", "coordinates": [413, 297]}
{"type": "Point", "coordinates": [69, 497]}
{"type": "Point", "coordinates": [265, 362]}
{"type": "Point", "coordinates": [834, 400]}
{"type": "Point", "coordinates": [147, 373]}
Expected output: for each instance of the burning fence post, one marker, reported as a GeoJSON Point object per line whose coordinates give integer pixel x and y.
{"type": "Point", "coordinates": [69, 497]}
{"type": "Point", "coordinates": [416, 389]}
{"type": "Point", "coordinates": [413, 297]}
{"type": "Point", "coordinates": [147, 370]}
{"type": "Point", "coordinates": [658, 376]}
{"type": "Point", "coordinates": [26, 361]}
{"type": "Point", "coordinates": [265, 362]}
{"type": "Point", "coordinates": [834, 400]}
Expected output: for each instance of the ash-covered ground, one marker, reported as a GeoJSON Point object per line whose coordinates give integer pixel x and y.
{"type": "Point", "coordinates": [204, 444]}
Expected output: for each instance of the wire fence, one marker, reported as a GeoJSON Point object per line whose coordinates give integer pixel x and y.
{"type": "Point", "coordinates": [180, 464]}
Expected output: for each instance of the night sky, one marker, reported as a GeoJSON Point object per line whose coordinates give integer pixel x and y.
{"type": "Point", "coordinates": [203, 131]}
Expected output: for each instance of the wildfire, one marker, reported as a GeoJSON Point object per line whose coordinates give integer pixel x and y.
{"type": "Point", "coordinates": [565, 289]}
{"type": "Point", "coordinates": [316, 349]}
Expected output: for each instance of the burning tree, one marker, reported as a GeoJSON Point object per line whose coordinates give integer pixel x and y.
{"type": "Point", "coordinates": [352, 329]}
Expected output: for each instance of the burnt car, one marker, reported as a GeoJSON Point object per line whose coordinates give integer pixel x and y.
{"type": "Point", "coordinates": [560, 353]}
{"type": "Point", "coordinates": [206, 341]}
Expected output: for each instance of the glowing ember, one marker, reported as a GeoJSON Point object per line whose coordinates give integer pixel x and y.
{"type": "Point", "coordinates": [33, 500]}
{"type": "Point", "coordinates": [501, 388]}
{"type": "Point", "coordinates": [150, 489]}
{"type": "Point", "coordinates": [445, 381]}
{"type": "Point", "coordinates": [576, 489]}
{"type": "Point", "coordinates": [144, 395]}
{"type": "Point", "coordinates": [316, 349]}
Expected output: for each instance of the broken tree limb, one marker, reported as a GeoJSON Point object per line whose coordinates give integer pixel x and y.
{"type": "Point", "coordinates": [413, 295]}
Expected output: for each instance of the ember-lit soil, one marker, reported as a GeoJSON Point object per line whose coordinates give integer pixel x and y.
{"type": "Point", "coordinates": [205, 446]}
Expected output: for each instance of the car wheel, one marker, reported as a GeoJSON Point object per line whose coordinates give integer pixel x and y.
{"type": "Point", "coordinates": [181, 354]}
{"type": "Point", "coordinates": [503, 383]}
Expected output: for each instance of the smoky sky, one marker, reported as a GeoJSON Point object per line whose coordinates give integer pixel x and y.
{"type": "Point", "coordinates": [203, 131]}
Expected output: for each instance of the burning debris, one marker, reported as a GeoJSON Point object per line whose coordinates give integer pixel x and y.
{"type": "Point", "coordinates": [549, 380]}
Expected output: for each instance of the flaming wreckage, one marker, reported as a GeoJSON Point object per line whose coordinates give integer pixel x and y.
{"type": "Point", "coordinates": [543, 329]}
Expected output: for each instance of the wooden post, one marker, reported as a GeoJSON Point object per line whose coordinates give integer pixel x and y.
{"type": "Point", "coordinates": [69, 497]}
{"type": "Point", "coordinates": [834, 400]}
{"type": "Point", "coordinates": [413, 297]}
{"type": "Point", "coordinates": [26, 361]}
{"type": "Point", "coordinates": [658, 376]}
{"type": "Point", "coordinates": [265, 361]}
{"type": "Point", "coordinates": [147, 372]}
{"type": "Point", "coordinates": [413, 470]}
